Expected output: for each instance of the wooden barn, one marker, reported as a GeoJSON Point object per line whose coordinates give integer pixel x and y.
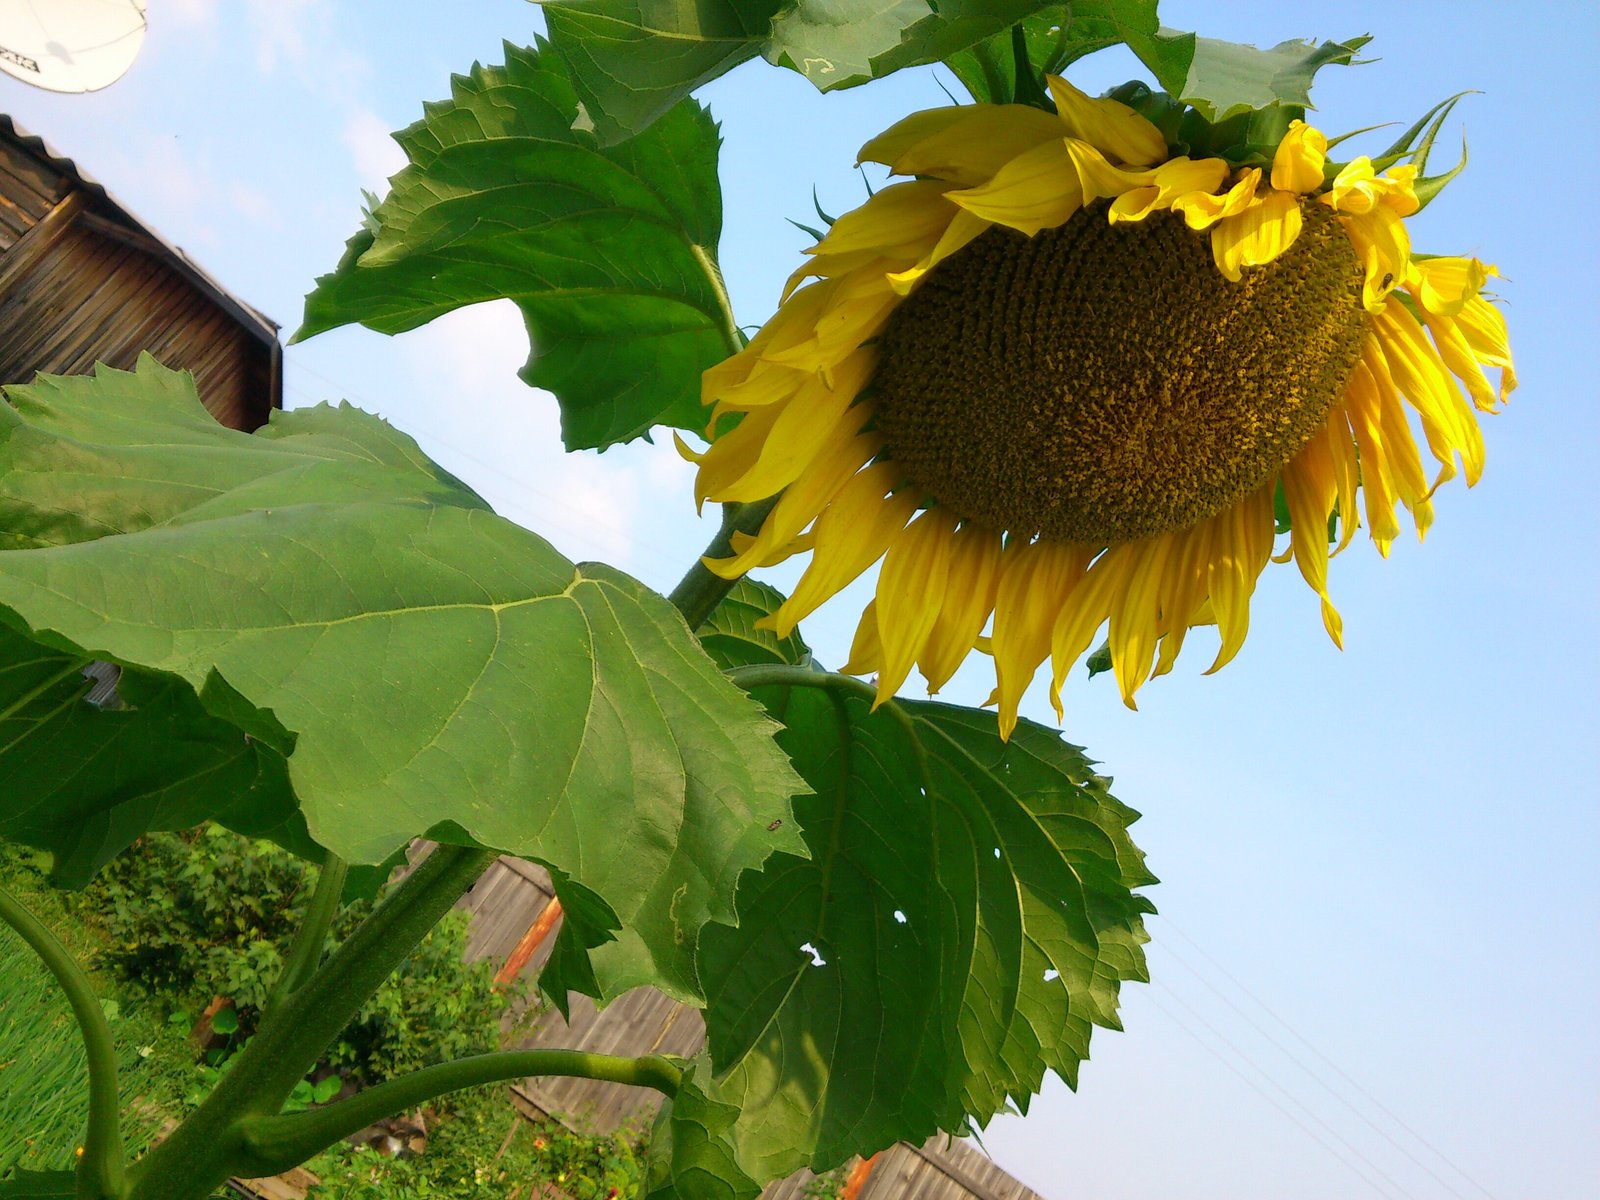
{"type": "Point", "coordinates": [82, 280]}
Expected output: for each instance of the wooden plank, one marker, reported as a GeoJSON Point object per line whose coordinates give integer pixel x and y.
{"type": "Point", "coordinates": [34, 185]}
{"type": "Point", "coordinates": [31, 246]}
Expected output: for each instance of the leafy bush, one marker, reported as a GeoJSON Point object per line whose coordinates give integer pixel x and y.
{"type": "Point", "coordinates": [208, 913]}
{"type": "Point", "coordinates": [484, 1149]}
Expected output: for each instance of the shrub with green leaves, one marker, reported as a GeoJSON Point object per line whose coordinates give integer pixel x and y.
{"type": "Point", "coordinates": [209, 913]}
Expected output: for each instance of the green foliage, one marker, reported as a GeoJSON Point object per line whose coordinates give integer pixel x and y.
{"type": "Point", "coordinates": [609, 252]}
{"type": "Point", "coordinates": [430, 667]}
{"type": "Point", "coordinates": [966, 915]}
{"type": "Point", "coordinates": [633, 60]}
{"type": "Point", "coordinates": [40, 1185]}
{"type": "Point", "coordinates": [694, 1151]}
{"type": "Point", "coordinates": [485, 1147]}
{"type": "Point", "coordinates": [1056, 37]}
{"type": "Point", "coordinates": [84, 782]}
{"type": "Point", "coordinates": [1221, 80]}
{"type": "Point", "coordinates": [43, 1103]}
{"type": "Point", "coordinates": [731, 637]}
{"type": "Point", "coordinates": [210, 914]}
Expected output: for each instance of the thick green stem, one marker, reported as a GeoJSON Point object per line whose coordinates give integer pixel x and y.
{"type": "Point", "coordinates": [699, 591]}
{"type": "Point", "coordinates": [100, 1169]}
{"type": "Point", "coordinates": [306, 951]}
{"type": "Point", "coordinates": [208, 1147]}
{"type": "Point", "coordinates": [277, 1143]}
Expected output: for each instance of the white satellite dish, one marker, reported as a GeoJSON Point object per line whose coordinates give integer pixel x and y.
{"type": "Point", "coordinates": [70, 45]}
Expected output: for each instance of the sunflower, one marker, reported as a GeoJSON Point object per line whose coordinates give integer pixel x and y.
{"type": "Point", "coordinates": [1061, 379]}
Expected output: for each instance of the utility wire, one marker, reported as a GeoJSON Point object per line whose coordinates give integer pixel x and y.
{"type": "Point", "coordinates": [1288, 1095]}
{"type": "Point", "coordinates": [1311, 1071]}
{"type": "Point", "coordinates": [1168, 923]}
{"type": "Point", "coordinates": [1149, 994]}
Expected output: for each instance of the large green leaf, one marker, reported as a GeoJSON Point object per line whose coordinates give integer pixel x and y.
{"type": "Point", "coordinates": [693, 1153]}
{"type": "Point", "coordinates": [966, 916]}
{"type": "Point", "coordinates": [1221, 80]}
{"type": "Point", "coordinates": [610, 253]}
{"type": "Point", "coordinates": [84, 781]}
{"type": "Point", "coordinates": [1056, 37]}
{"type": "Point", "coordinates": [427, 666]}
{"type": "Point", "coordinates": [634, 59]}
{"type": "Point", "coordinates": [733, 637]}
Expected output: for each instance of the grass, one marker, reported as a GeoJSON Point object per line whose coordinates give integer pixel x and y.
{"type": "Point", "coordinates": [44, 1100]}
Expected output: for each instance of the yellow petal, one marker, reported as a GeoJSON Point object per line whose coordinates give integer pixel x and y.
{"type": "Point", "coordinates": [1384, 248]}
{"type": "Point", "coordinates": [1447, 421]}
{"type": "Point", "coordinates": [1457, 354]}
{"type": "Point", "coordinates": [1444, 285]}
{"type": "Point", "coordinates": [1357, 189]}
{"type": "Point", "coordinates": [852, 534]}
{"type": "Point", "coordinates": [1087, 608]}
{"type": "Point", "coordinates": [1310, 489]}
{"type": "Point", "coordinates": [1108, 125]}
{"type": "Point", "coordinates": [1175, 178]}
{"type": "Point", "coordinates": [968, 601]}
{"type": "Point", "coordinates": [1184, 600]}
{"type": "Point", "coordinates": [1036, 579]}
{"type": "Point", "coordinates": [1297, 164]}
{"type": "Point", "coordinates": [966, 145]}
{"type": "Point", "coordinates": [1034, 191]}
{"type": "Point", "coordinates": [866, 649]}
{"type": "Point", "coordinates": [1099, 178]}
{"type": "Point", "coordinates": [789, 442]}
{"type": "Point", "coordinates": [844, 453]}
{"type": "Point", "coordinates": [914, 211]}
{"type": "Point", "coordinates": [1485, 330]}
{"type": "Point", "coordinates": [1202, 210]}
{"type": "Point", "coordinates": [1242, 543]}
{"type": "Point", "coordinates": [1258, 235]}
{"type": "Point", "coordinates": [1364, 408]}
{"type": "Point", "coordinates": [911, 589]}
{"type": "Point", "coordinates": [962, 230]}
{"type": "Point", "coordinates": [1136, 613]}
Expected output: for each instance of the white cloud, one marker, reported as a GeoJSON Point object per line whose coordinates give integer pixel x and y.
{"type": "Point", "coordinates": [279, 28]}
{"type": "Point", "coordinates": [253, 205]}
{"type": "Point", "coordinates": [377, 155]}
{"type": "Point", "coordinates": [191, 14]}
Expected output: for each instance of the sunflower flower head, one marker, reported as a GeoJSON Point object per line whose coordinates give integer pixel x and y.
{"type": "Point", "coordinates": [1063, 379]}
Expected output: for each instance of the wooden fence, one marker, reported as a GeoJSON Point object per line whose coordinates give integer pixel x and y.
{"type": "Point", "coordinates": [507, 902]}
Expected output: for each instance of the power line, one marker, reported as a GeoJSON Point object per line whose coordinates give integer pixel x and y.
{"type": "Point", "coordinates": [1327, 1087]}
{"type": "Point", "coordinates": [1296, 1101]}
{"type": "Point", "coordinates": [1149, 994]}
{"type": "Point", "coordinates": [1168, 923]}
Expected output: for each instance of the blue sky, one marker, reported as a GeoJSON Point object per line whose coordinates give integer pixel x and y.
{"type": "Point", "coordinates": [1377, 957]}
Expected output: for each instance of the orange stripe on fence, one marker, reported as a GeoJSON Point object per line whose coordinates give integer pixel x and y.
{"type": "Point", "coordinates": [541, 928]}
{"type": "Point", "coordinates": [858, 1178]}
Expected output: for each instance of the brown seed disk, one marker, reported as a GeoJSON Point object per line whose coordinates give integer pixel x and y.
{"type": "Point", "coordinates": [1098, 383]}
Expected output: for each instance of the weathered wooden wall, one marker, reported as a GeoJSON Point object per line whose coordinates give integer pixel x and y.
{"type": "Point", "coordinates": [80, 283]}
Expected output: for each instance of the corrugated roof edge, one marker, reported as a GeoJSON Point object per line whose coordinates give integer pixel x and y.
{"type": "Point", "coordinates": [256, 322]}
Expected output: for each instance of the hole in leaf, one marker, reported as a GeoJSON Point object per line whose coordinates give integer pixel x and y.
{"type": "Point", "coordinates": [1051, 975]}
{"type": "Point", "coordinates": [816, 958]}
{"type": "Point", "coordinates": [899, 916]}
